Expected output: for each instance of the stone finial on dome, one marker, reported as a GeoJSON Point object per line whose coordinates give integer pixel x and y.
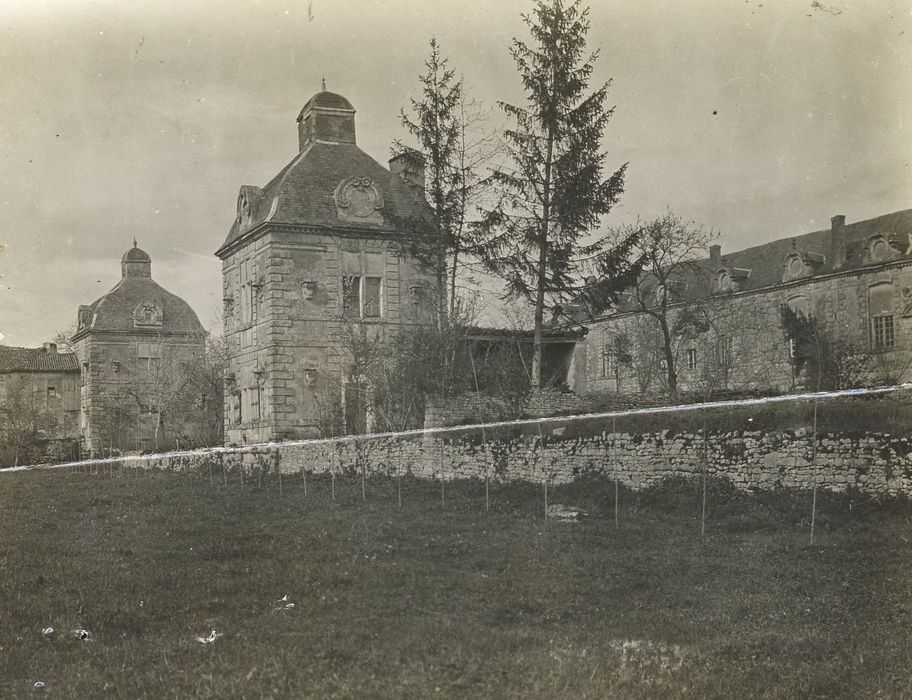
{"type": "Point", "coordinates": [136, 263]}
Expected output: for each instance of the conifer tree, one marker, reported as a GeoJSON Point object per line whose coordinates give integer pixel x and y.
{"type": "Point", "coordinates": [434, 123]}
{"type": "Point", "coordinates": [551, 193]}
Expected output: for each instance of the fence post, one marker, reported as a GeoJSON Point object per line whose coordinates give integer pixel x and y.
{"type": "Point", "coordinates": [814, 467]}
{"type": "Point", "coordinates": [614, 452]}
{"type": "Point", "coordinates": [546, 498]}
{"type": "Point", "coordinates": [705, 468]}
{"type": "Point", "coordinates": [363, 474]}
{"type": "Point", "coordinates": [399, 476]}
{"type": "Point", "coordinates": [278, 469]}
{"type": "Point", "coordinates": [332, 470]}
{"type": "Point", "coordinates": [442, 480]}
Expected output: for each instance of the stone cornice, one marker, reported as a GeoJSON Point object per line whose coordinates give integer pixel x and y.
{"type": "Point", "coordinates": [333, 231]}
{"type": "Point", "coordinates": [791, 284]}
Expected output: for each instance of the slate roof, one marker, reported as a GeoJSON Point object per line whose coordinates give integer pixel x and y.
{"type": "Point", "coordinates": [114, 311]}
{"type": "Point", "coordinates": [15, 359]}
{"type": "Point", "coordinates": [136, 255]}
{"type": "Point", "coordinates": [302, 192]}
{"type": "Point", "coordinates": [327, 100]}
{"type": "Point", "coordinates": [766, 261]}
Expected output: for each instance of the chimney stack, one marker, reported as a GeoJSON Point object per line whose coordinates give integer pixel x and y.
{"type": "Point", "coordinates": [49, 348]}
{"type": "Point", "coordinates": [409, 165]}
{"type": "Point", "coordinates": [837, 240]}
{"type": "Point", "coordinates": [715, 256]}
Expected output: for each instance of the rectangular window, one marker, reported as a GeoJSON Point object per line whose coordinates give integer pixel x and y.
{"type": "Point", "coordinates": [691, 358]}
{"type": "Point", "coordinates": [371, 297]}
{"type": "Point", "coordinates": [724, 352]}
{"type": "Point", "coordinates": [52, 392]}
{"type": "Point", "coordinates": [882, 335]}
{"type": "Point", "coordinates": [351, 295]}
{"type": "Point", "coordinates": [148, 354]}
{"type": "Point", "coordinates": [255, 403]}
{"type": "Point", "coordinates": [605, 365]}
{"type": "Point", "coordinates": [362, 284]}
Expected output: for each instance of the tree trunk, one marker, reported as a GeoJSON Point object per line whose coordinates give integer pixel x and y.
{"type": "Point", "coordinates": [542, 269]}
{"type": "Point", "coordinates": [672, 374]}
{"type": "Point", "coordinates": [157, 425]}
{"type": "Point", "coordinates": [453, 279]}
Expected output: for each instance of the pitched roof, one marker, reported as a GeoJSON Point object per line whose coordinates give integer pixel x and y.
{"type": "Point", "coordinates": [303, 192]}
{"type": "Point", "coordinates": [765, 262]}
{"type": "Point", "coordinates": [15, 359]}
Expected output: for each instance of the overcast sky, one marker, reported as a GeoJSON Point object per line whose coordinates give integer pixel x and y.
{"type": "Point", "coordinates": [757, 119]}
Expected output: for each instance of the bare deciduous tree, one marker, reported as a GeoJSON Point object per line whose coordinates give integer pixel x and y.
{"type": "Point", "coordinates": [670, 250]}
{"type": "Point", "coordinates": [24, 420]}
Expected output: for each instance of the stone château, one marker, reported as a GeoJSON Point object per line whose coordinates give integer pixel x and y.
{"type": "Point", "coordinates": [309, 264]}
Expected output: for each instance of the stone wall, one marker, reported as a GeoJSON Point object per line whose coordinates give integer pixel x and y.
{"type": "Point", "coordinates": [287, 340]}
{"type": "Point", "coordinates": [876, 464]}
{"type": "Point", "coordinates": [745, 346]}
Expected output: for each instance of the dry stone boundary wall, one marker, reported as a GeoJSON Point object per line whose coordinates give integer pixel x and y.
{"type": "Point", "coordinates": [875, 464]}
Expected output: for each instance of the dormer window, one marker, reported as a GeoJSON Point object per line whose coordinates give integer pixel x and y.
{"type": "Point", "coordinates": [880, 248]}
{"type": "Point", "coordinates": [730, 279]}
{"type": "Point", "coordinates": [723, 281]}
{"type": "Point", "coordinates": [800, 264]}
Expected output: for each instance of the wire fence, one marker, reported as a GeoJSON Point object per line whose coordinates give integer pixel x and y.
{"type": "Point", "coordinates": [593, 462]}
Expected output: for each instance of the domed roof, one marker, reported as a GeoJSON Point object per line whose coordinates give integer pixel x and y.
{"type": "Point", "coordinates": [328, 100]}
{"type": "Point", "coordinates": [136, 255]}
{"type": "Point", "coordinates": [138, 304]}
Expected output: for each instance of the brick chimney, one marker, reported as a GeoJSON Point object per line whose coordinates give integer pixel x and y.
{"type": "Point", "coordinates": [837, 240]}
{"type": "Point", "coordinates": [49, 348]}
{"type": "Point", "coordinates": [408, 165]}
{"type": "Point", "coordinates": [715, 256]}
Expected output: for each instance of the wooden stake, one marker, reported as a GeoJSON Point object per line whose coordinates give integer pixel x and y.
{"type": "Point", "coordinates": [363, 489]}
{"type": "Point", "coordinates": [705, 468]}
{"type": "Point", "coordinates": [399, 476]}
{"type": "Point", "coordinates": [442, 479]}
{"type": "Point", "coordinates": [278, 467]}
{"type": "Point", "coordinates": [813, 510]}
{"type": "Point", "coordinates": [814, 466]}
{"type": "Point", "coordinates": [616, 522]}
{"type": "Point", "coordinates": [546, 499]}
{"type": "Point", "coordinates": [304, 477]}
{"type": "Point", "coordinates": [487, 491]}
{"type": "Point", "coordinates": [614, 452]}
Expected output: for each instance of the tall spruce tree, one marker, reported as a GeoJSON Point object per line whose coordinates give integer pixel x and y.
{"type": "Point", "coordinates": [434, 123]}
{"type": "Point", "coordinates": [551, 193]}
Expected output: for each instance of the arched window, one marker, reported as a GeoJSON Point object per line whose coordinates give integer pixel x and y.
{"type": "Point", "coordinates": [880, 313]}
{"type": "Point", "coordinates": [879, 249]}
{"type": "Point", "coordinates": [723, 281]}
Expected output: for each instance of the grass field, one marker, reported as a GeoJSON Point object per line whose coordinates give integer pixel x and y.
{"type": "Point", "coordinates": [445, 602]}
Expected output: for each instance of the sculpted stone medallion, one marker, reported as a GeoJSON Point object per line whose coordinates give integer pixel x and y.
{"type": "Point", "coordinates": [147, 314]}
{"type": "Point", "coordinates": [358, 199]}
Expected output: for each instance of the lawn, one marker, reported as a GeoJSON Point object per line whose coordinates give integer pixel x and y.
{"type": "Point", "coordinates": [445, 599]}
